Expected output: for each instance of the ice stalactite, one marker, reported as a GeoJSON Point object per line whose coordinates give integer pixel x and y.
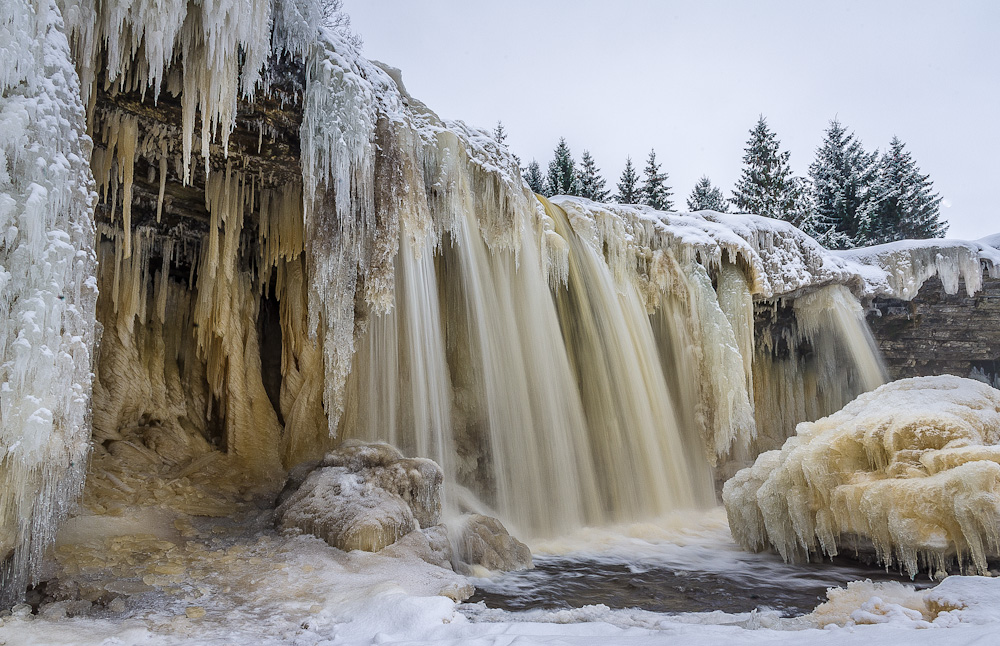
{"type": "Point", "coordinates": [910, 471]}
{"type": "Point", "coordinates": [47, 289]}
{"type": "Point", "coordinates": [135, 47]}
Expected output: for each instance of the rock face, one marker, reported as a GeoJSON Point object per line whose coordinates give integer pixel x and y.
{"type": "Point", "coordinates": [365, 497]}
{"type": "Point", "coordinates": [940, 333]}
{"type": "Point", "coordinates": [910, 470]}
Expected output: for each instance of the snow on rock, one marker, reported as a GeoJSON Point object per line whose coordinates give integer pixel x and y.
{"type": "Point", "coordinates": [899, 269]}
{"type": "Point", "coordinates": [913, 468]}
{"type": "Point", "coordinates": [47, 287]}
{"type": "Point", "coordinates": [365, 497]}
{"type": "Point", "coordinates": [780, 259]}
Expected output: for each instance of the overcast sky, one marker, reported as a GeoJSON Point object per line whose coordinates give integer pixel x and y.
{"type": "Point", "coordinates": [690, 78]}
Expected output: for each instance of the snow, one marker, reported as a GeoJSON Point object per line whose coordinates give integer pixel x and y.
{"type": "Point", "coordinates": [271, 589]}
{"type": "Point", "coordinates": [991, 240]}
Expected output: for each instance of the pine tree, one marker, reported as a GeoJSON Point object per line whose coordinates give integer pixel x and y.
{"type": "Point", "coordinates": [500, 133]}
{"type": "Point", "coordinates": [903, 202]}
{"type": "Point", "coordinates": [534, 178]}
{"type": "Point", "coordinates": [562, 177]}
{"type": "Point", "coordinates": [655, 192]}
{"type": "Point", "coordinates": [800, 209]}
{"type": "Point", "coordinates": [706, 197]}
{"type": "Point", "coordinates": [628, 185]}
{"type": "Point", "coordinates": [591, 182]}
{"type": "Point", "coordinates": [842, 176]}
{"type": "Point", "coordinates": [765, 184]}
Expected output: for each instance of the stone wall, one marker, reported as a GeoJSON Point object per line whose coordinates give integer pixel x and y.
{"type": "Point", "coordinates": [937, 333]}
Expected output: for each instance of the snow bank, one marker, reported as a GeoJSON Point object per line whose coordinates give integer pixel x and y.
{"type": "Point", "coordinates": [913, 468]}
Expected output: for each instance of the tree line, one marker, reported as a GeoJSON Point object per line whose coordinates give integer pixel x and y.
{"type": "Point", "coordinates": [850, 198]}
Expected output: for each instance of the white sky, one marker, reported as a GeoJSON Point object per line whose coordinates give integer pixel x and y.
{"type": "Point", "coordinates": [689, 79]}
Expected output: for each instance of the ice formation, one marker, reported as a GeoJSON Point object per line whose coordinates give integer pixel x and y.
{"type": "Point", "coordinates": [909, 470]}
{"type": "Point", "coordinates": [47, 287]}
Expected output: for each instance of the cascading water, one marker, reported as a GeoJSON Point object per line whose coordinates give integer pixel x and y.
{"type": "Point", "coordinates": [588, 401]}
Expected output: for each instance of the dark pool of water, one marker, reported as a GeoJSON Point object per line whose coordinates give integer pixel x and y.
{"type": "Point", "coordinates": [560, 583]}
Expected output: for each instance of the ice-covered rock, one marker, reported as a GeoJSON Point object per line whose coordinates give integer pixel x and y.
{"type": "Point", "coordinates": [913, 468]}
{"type": "Point", "coordinates": [483, 542]}
{"type": "Point", "coordinates": [365, 497]}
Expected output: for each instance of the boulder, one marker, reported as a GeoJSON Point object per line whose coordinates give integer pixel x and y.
{"type": "Point", "coordinates": [363, 496]}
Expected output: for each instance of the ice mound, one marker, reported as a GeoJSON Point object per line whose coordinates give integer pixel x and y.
{"type": "Point", "coordinates": [911, 470]}
{"type": "Point", "coordinates": [365, 497]}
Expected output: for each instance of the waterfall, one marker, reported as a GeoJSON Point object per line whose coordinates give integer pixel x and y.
{"type": "Point", "coordinates": [594, 398]}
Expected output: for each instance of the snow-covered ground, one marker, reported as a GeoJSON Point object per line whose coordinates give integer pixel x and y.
{"type": "Point", "coordinates": [218, 585]}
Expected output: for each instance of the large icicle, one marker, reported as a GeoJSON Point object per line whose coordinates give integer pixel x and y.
{"type": "Point", "coordinates": [47, 290]}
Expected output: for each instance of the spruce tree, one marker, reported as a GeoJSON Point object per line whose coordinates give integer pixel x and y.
{"type": "Point", "coordinates": [533, 176]}
{"type": "Point", "coordinates": [903, 202]}
{"type": "Point", "coordinates": [800, 209]}
{"type": "Point", "coordinates": [655, 192]}
{"type": "Point", "coordinates": [591, 182]}
{"type": "Point", "coordinates": [842, 176]}
{"type": "Point", "coordinates": [500, 133]}
{"type": "Point", "coordinates": [706, 197]}
{"type": "Point", "coordinates": [628, 186]}
{"type": "Point", "coordinates": [562, 177]}
{"type": "Point", "coordinates": [765, 186]}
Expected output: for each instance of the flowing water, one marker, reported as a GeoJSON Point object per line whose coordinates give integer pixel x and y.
{"type": "Point", "coordinates": [691, 566]}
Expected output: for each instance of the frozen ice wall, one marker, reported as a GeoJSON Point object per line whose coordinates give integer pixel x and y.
{"type": "Point", "coordinates": [47, 287]}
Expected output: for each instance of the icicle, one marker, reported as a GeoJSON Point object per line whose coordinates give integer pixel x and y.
{"type": "Point", "coordinates": [163, 179]}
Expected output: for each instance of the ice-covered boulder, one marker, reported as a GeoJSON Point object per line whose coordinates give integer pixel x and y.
{"type": "Point", "coordinates": [364, 496]}
{"type": "Point", "coordinates": [483, 542]}
{"type": "Point", "coordinates": [910, 470]}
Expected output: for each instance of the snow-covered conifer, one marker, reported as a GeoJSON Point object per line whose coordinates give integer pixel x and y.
{"type": "Point", "coordinates": [903, 203]}
{"type": "Point", "coordinates": [706, 197]}
{"type": "Point", "coordinates": [765, 184]}
{"type": "Point", "coordinates": [591, 182]}
{"type": "Point", "coordinates": [533, 176]}
{"type": "Point", "coordinates": [842, 176]}
{"type": "Point", "coordinates": [628, 186]}
{"type": "Point", "coordinates": [562, 177]}
{"type": "Point", "coordinates": [655, 192]}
